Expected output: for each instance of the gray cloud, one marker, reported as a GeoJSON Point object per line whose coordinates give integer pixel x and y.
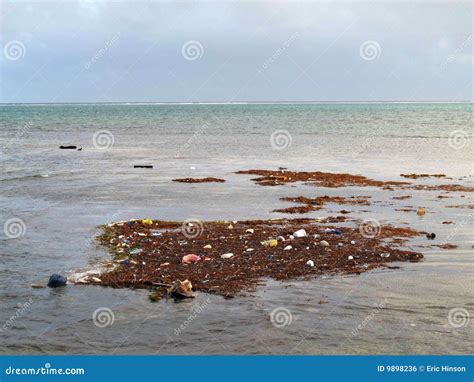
{"type": "Point", "coordinates": [132, 51]}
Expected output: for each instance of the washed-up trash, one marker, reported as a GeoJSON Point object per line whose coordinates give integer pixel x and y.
{"type": "Point", "coordinates": [420, 211]}
{"type": "Point", "coordinates": [385, 255]}
{"type": "Point", "coordinates": [135, 251]}
{"type": "Point", "coordinates": [334, 231]}
{"type": "Point", "coordinates": [147, 221]}
{"type": "Point", "coordinates": [181, 290]}
{"type": "Point", "coordinates": [250, 230]}
{"type": "Point", "coordinates": [310, 263]}
{"type": "Point", "coordinates": [67, 147]}
{"type": "Point", "coordinates": [350, 257]}
{"type": "Point", "coordinates": [207, 246]}
{"type": "Point", "coordinates": [431, 236]}
{"type": "Point", "coordinates": [56, 281]}
{"type": "Point", "coordinates": [143, 166]}
{"type": "Point", "coordinates": [227, 255]}
{"type": "Point", "coordinates": [300, 233]}
{"type": "Point", "coordinates": [155, 233]}
{"type": "Point", "coordinates": [270, 243]}
{"type": "Point", "coordinates": [37, 286]}
{"type": "Point", "coordinates": [324, 243]}
{"type": "Point", "coordinates": [287, 248]}
{"type": "Point", "coordinates": [353, 242]}
{"type": "Point", "coordinates": [190, 259]}
{"type": "Point", "coordinates": [249, 250]}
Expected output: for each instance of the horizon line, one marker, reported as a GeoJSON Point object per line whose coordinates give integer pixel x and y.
{"type": "Point", "coordinates": [233, 102]}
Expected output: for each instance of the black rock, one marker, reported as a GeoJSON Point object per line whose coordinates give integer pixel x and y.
{"type": "Point", "coordinates": [56, 281]}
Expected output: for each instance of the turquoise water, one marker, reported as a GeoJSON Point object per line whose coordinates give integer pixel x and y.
{"type": "Point", "coordinates": [62, 195]}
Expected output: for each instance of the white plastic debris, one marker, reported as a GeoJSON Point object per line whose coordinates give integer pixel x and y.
{"type": "Point", "coordinates": [310, 263]}
{"type": "Point", "coordinates": [250, 230]}
{"type": "Point", "coordinates": [300, 233]}
{"type": "Point", "coordinates": [287, 248]}
{"type": "Point", "coordinates": [207, 246]}
{"type": "Point", "coordinates": [316, 236]}
{"type": "Point", "coordinates": [353, 242]}
{"type": "Point", "coordinates": [324, 243]}
{"type": "Point", "coordinates": [227, 255]}
{"type": "Point", "coordinates": [350, 258]}
{"type": "Point", "coordinates": [291, 237]}
{"type": "Point", "coordinates": [385, 255]}
{"type": "Point", "coordinates": [249, 250]}
{"type": "Point", "coordinates": [340, 244]}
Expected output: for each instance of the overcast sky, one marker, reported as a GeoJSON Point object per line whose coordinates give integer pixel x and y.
{"type": "Point", "coordinates": [91, 51]}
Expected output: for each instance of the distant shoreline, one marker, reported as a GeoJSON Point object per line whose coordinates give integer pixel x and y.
{"type": "Point", "coordinates": [238, 103]}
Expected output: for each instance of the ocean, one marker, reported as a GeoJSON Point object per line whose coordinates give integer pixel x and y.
{"type": "Point", "coordinates": [52, 200]}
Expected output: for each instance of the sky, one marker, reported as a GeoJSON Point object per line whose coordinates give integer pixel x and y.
{"type": "Point", "coordinates": [90, 51]}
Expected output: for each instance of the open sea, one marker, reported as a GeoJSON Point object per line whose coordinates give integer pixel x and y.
{"type": "Point", "coordinates": [52, 200]}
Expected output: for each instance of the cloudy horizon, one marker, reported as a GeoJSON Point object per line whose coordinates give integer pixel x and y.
{"type": "Point", "coordinates": [89, 51]}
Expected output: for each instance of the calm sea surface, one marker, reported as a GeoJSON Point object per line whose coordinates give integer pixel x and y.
{"type": "Point", "coordinates": [60, 197]}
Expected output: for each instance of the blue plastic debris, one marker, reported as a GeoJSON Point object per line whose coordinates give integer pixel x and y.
{"type": "Point", "coordinates": [56, 281]}
{"type": "Point", "coordinates": [335, 231]}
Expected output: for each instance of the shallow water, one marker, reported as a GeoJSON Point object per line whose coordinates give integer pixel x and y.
{"type": "Point", "coordinates": [62, 195]}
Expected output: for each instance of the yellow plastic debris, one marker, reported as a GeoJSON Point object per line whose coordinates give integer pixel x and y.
{"type": "Point", "coordinates": [147, 221]}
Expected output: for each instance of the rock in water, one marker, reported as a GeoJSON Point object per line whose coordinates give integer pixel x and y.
{"type": "Point", "coordinates": [56, 281]}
